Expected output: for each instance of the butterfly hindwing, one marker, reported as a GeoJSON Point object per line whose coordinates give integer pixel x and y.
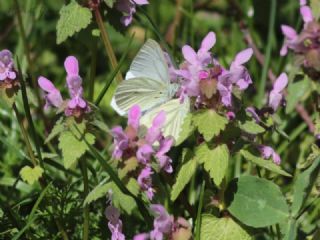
{"type": "Point", "coordinates": [176, 113]}
{"type": "Point", "coordinates": [145, 92]}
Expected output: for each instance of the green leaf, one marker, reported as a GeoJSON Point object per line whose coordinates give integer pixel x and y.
{"type": "Point", "coordinates": [73, 18]}
{"type": "Point", "coordinates": [98, 192]}
{"type": "Point", "coordinates": [56, 130]}
{"type": "Point", "coordinates": [213, 228]}
{"type": "Point", "coordinates": [110, 3]}
{"type": "Point", "coordinates": [315, 6]}
{"type": "Point", "coordinates": [209, 123]}
{"type": "Point", "coordinates": [186, 129]}
{"type": "Point", "coordinates": [258, 202]}
{"type": "Point", "coordinates": [303, 185]}
{"type": "Point", "coordinates": [252, 127]}
{"type": "Point", "coordinates": [129, 165]}
{"type": "Point", "coordinates": [121, 200]}
{"type": "Point", "coordinates": [215, 161]}
{"type": "Point", "coordinates": [296, 91]}
{"type": "Point", "coordinates": [264, 163]}
{"type": "Point", "coordinates": [185, 174]}
{"type": "Point", "coordinates": [31, 175]}
{"type": "Point", "coordinates": [8, 96]}
{"type": "Point", "coordinates": [73, 146]}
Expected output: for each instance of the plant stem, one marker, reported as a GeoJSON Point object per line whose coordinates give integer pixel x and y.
{"type": "Point", "coordinates": [84, 171]}
{"type": "Point", "coordinates": [107, 43]}
{"type": "Point", "coordinates": [262, 84]}
{"type": "Point", "coordinates": [93, 68]}
{"type": "Point", "coordinates": [25, 135]}
{"type": "Point", "coordinates": [27, 50]}
{"type": "Point", "coordinates": [198, 223]}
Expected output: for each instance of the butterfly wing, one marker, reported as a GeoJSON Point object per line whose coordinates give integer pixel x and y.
{"type": "Point", "coordinates": [150, 63]}
{"type": "Point", "coordinates": [176, 113]}
{"type": "Point", "coordinates": [145, 92]}
{"type": "Point", "coordinates": [147, 82]}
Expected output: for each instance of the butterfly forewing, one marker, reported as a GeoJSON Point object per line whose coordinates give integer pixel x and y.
{"type": "Point", "coordinates": [150, 63]}
{"type": "Point", "coordinates": [145, 92]}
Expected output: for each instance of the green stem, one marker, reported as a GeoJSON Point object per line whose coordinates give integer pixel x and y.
{"type": "Point", "coordinates": [27, 50]}
{"type": "Point", "coordinates": [92, 71]}
{"type": "Point", "coordinates": [107, 43]}
{"type": "Point", "coordinates": [25, 135]}
{"type": "Point", "coordinates": [29, 117]}
{"type": "Point", "coordinates": [262, 85]}
{"type": "Point", "coordinates": [84, 171]}
{"type": "Point", "coordinates": [113, 74]}
{"type": "Point", "coordinates": [198, 223]}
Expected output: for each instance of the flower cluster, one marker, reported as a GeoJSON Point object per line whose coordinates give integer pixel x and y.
{"type": "Point", "coordinates": [115, 223]}
{"type": "Point", "coordinates": [166, 227]}
{"type": "Point", "coordinates": [128, 8]}
{"type": "Point", "coordinates": [8, 74]}
{"type": "Point", "coordinates": [129, 144]}
{"type": "Point", "coordinates": [203, 77]}
{"type": "Point", "coordinates": [305, 45]}
{"type": "Point", "coordinates": [76, 106]}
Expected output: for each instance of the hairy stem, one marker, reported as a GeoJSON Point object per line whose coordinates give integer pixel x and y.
{"type": "Point", "coordinates": [84, 170]}
{"type": "Point", "coordinates": [107, 43]}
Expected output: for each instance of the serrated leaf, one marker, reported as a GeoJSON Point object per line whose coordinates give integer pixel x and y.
{"type": "Point", "coordinates": [121, 200]}
{"type": "Point", "coordinates": [257, 202]}
{"type": "Point", "coordinates": [129, 165]}
{"type": "Point", "coordinates": [213, 228]}
{"type": "Point", "coordinates": [7, 96]}
{"type": "Point", "coordinates": [73, 18]}
{"type": "Point", "coordinates": [98, 192]}
{"type": "Point", "coordinates": [31, 175]}
{"type": "Point", "coordinates": [252, 127]}
{"type": "Point", "coordinates": [56, 130]}
{"type": "Point", "coordinates": [73, 147]}
{"type": "Point", "coordinates": [184, 176]}
{"type": "Point", "coordinates": [303, 185]}
{"type": "Point", "coordinates": [217, 163]}
{"type": "Point", "coordinates": [296, 91]}
{"type": "Point", "coordinates": [264, 163]}
{"type": "Point", "coordinates": [209, 123]}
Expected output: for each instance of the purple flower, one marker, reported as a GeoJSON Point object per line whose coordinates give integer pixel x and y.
{"type": "Point", "coordinates": [276, 94]}
{"type": "Point", "coordinates": [76, 105]}
{"type": "Point", "coordinates": [142, 236]}
{"type": "Point", "coordinates": [53, 95]}
{"type": "Point", "coordinates": [114, 224]}
{"type": "Point", "coordinates": [163, 159]}
{"type": "Point", "coordinates": [236, 75]}
{"type": "Point", "coordinates": [134, 115]}
{"type": "Point", "coordinates": [6, 66]}
{"type": "Point", "coordinates": [268, 152]}
{"type": "Point", "coordinates": [128, 8]}
{"type": "Point", "coordinates": [163, 223]}
{"type": "Point", "coordinates": [195, 63]}
{"type": "Point", "coordinates": [145, 181]}
{"type": "Point", "coordinates": [253, 113]}
{"type": "Point", "coordinates": [154, 132]}
{"type": "Point", "coordinates": [144, 153]}
{"type": "Point", "coordinates": [120, 142]}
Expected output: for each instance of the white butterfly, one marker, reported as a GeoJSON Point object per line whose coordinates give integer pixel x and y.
{"type": "Point", "coordinates": [148, 85]}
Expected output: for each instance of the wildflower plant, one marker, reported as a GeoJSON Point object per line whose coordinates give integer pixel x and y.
{"type": "Point", "coordinates": [182, 113]}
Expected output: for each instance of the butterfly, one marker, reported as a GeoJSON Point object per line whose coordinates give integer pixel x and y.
{"type": "Point", "coordinates": [148, 85]}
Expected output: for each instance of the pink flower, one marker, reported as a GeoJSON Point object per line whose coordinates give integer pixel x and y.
{"type": "Point", "coordinates": [268, 152]}
{"type": "Point", "coordinates": [114, 224]}
{"type": "Point", "coordinates": [6, 66]}
{"type": "Point", "coordinates": [236, 75]}
{"type": "Point", "coordinates": [195, 63]}
{"type": "Point", "coordinates": [276, 95]}
{"type": "Point", "coordinates": [145, 181]}
{"type": "Point", "coordinates": [76, 105]}
{"type": "Point", "coordinates": [128, 8]}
